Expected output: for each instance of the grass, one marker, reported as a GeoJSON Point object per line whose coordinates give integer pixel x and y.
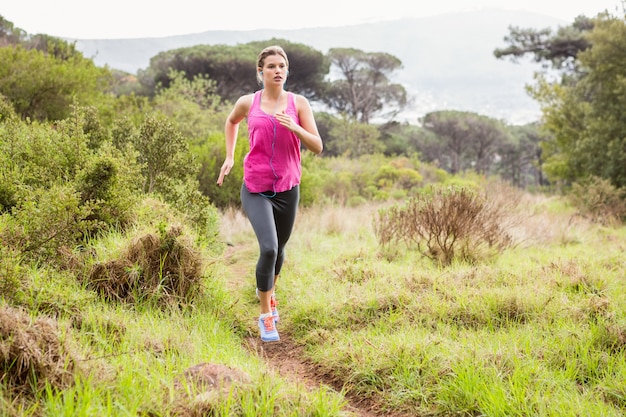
{"type": "Point", "coordinates": [540, 330]}
{"type": "Point", "coordinates": [516, 336]}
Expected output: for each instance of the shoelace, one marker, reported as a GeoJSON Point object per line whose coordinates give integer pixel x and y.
{"type": "Point", "coordinates": [273, 303]}
{"type": "Point", "coordinates": [268, 322]}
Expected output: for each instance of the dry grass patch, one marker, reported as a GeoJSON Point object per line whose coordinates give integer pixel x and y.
{"type": "Point", "coordinates": [336, 220]}
{"type": "Point", "coordinates": [33, 354]}
{"type": "Point", "coordinates": [234, 225]}
{"type": "Point", "coordinates": [201, 388]}
{"type": "Point", "coordinates": [164, 268]}
{"type": "Point", "coordinates": [542, 224]}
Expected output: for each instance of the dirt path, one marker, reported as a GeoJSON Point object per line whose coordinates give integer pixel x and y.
{"type": "Point", "coordinates": [286, 357]}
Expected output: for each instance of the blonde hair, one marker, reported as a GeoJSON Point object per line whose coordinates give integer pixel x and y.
{"type": "Point", "coordinates": [270, 50]}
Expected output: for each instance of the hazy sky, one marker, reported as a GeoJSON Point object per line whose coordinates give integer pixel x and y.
{"type": "Point", "coordinates": [81, 19]}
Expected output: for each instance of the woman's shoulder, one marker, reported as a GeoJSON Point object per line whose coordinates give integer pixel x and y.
{"type": "Point", "coordinates": [245, 101]}
{"type": "Point", "coordinates": [246, 98]}
{"type": "Point", "coordinates": [300, 100]}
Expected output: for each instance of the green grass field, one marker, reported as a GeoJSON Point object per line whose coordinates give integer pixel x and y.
{"type": "Point", "coordinates": [539, 330]}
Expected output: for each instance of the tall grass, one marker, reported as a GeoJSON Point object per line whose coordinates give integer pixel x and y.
{"type": "Point", "coordinates": [538, 330]}
{"type": "Point", "coordinates": [541, 330]}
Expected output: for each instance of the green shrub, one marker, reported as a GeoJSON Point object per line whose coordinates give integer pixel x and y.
{"type": "Point", "coordinates": [8, 198]}
{"type": "Point", "coordinates": [12, 276]}
{"type": "Point", "coordinates": [197, 211]}
{"type": "Point", "coordinates": [111, 187]}
{"type": "Point", "coordinates": [597, 199]}
{"type": "Point", "coordinates": [7, 111]}
{"type": "Point", "coordinates": [163, 153]}
{"type": "Point", "coordinates": [46, 221]}
{"type": "Point", "coordinates": [314, 179]}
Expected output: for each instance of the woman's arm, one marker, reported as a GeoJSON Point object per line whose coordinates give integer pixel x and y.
{"type": "Point", "coordinates": [231, 129]}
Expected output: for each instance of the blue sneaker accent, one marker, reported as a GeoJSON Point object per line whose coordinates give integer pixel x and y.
{"type": "Point", "coordinates": [268, 329]}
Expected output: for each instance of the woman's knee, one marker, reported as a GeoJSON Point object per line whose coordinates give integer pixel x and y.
{"type": "Point", "coordinates": [269, 252]}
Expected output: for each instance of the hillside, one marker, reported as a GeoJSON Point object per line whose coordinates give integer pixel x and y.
{"type": "Point", "coordinates": [448, 60]}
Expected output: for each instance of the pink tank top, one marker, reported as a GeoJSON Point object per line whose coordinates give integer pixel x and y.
{"type": "Point", "coordinates": [273, 162]}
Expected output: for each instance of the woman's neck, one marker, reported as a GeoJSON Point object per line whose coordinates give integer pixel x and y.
{"type": "Point", "coordinates": [272, 93]}
{"type": "Point", "coordinates": [271, 98]}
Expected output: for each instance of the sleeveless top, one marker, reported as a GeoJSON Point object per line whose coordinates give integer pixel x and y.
{"type": "Point", "coordinates": [273, 162]}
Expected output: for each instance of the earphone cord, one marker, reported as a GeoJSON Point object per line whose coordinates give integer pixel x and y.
{"type": "Point", "coordinates": [272, 156]}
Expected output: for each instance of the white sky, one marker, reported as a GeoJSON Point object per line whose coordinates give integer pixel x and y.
{"type": "Point", "coordinates": [81, 19]}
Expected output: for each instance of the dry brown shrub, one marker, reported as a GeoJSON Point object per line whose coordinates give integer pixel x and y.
{"type": "Point", "coordinates": [165, 269]}
{"type": "Point", "coordinates": [446, 224]}
{"type": "Point", "coordinates": [32, 354]}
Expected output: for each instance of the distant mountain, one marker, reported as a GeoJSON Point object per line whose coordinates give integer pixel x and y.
{"type": "Point", "coordinates": [448, 60]}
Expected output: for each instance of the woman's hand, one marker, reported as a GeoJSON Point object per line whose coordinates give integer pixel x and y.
{"type": "Point", "coordinates": [285, 120]}
{"type": "Point", "coordinates": [226, 167]}
{"type": "Point", "coordinates": [306, 131]}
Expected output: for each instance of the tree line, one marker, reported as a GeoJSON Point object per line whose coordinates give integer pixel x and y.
{"type": "Point", "coordinates": [581, 133]}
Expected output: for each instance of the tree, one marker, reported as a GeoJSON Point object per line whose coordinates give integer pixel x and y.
{"type": "Point", "coordinates": [42, 86]}
{"type": "Point", "coordinates": [486, 136]}
{"type": "Point", "coordinates": [585, 119]}
{"type": "Point", "coordinates": [354, 139]}
{"type": "Point", "coordinates": [191, 105]}
{"type": "Point", "coordinates": [520, 159]}
{"type": "Point", "coordinates": [451, 130]}
{"type": "Point", "coordinates": [363, 89]}
{"type": "Point", "coordinates": [605, 86]}
{"type": "Point", "coordinates": [50, 45]}
{"type": "Point", "coordinates": [233, 68]}
{"type": "Point", "coordinates": [9, 34]}
{"type": "Point", "coordinates": [307, 67]}
{"type": "Point", "coordinates": [467, 140]}
{"type": "Point", "coordinates": [163, 152]}
{"type": "Point", "coordinates": [404, 138]}
{"type": "Point", "coordinates": [556, 50]}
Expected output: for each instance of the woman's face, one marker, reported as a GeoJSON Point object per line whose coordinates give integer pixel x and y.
{"type": "Point", "coordinates": [274, 70]}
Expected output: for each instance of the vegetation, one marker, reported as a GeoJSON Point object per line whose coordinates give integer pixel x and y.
{"type": "Point", "coordinates": [458, 266]}
{"type": "Point", "coordinates": [364, 90]}
{"type": "Point", "coordinates": [535, 331]}
{"type": "Point", "coordinates": [447, 224]}
{"type": "Point", "coordinates": [555, 50]}
{"type": "Point", "coordinates": [582, 111]}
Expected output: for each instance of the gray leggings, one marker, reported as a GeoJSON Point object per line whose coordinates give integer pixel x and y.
{"type": "Point", "coordinates": [272, 218]}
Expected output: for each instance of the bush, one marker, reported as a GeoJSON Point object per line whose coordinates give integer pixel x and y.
{"type": "Point", "coordinates": [197, 210]}
{"type": "Point", "coordinates": [12, 277]}
{"type": "Point", "coordinates": [44, 222]}
{"type": "Point", "coordinates": [55, 190]}
{"type": "Point", "coordinates": [7, 112]}
{"type": "Point", "coordinates": [100, 185]}
{"type": "Point", "coordinates": [163, 153]}
{"type": "Point", "coordinates": [161, 268]}
{"type": "Point", "coordinates": [445, 224]}
{"type": "Point", "coordinates": [598, 200]}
